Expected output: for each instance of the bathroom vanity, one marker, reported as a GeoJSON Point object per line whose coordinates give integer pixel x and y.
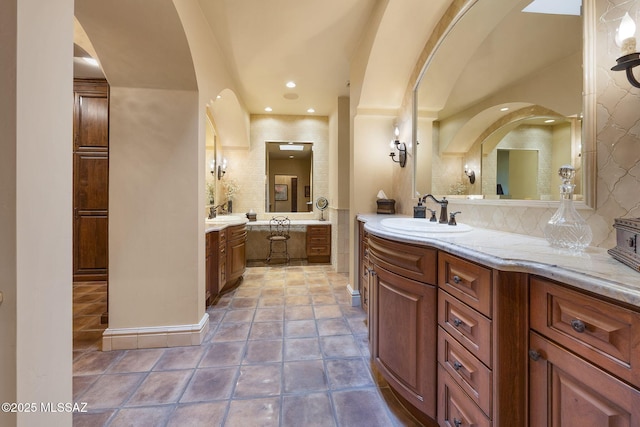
{"type": "Point", "coordinates": [225, 255]}
{"type": "Point", "coordinates": [487, 328]}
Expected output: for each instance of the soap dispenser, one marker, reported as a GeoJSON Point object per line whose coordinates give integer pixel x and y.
{"type": "Point", "coordinates": [420, 211]}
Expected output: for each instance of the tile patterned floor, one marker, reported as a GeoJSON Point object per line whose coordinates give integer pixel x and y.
{"type": "Point", "coordinates": [284, 349]}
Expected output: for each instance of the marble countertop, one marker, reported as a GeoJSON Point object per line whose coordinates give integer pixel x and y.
{"type": "Point", "coordinates": [223, 221]}
{"type": "Point", "coordinates": [264, 222]}
{"type": "Point", "coordinates": [593, 270]}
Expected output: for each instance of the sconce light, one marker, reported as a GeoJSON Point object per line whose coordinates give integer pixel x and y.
{"type": "Point", "coordinates": [222, 169]}
{"type": "Point", "coordinates": [401, 147]}
{"type": "Point", "coordinates": [212, 167]}
{"type": "Point", "coordinates": [470, 173]}
{"type": "Point", "coordinates": [622, 29]}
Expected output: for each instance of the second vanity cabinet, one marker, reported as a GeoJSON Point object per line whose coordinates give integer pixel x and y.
{"type": "Point", "coordinates": [225, 260]}
{"type": "Point", "coordinates": [402, 303]}
{"type": "Point", "coordinates": [449, 335]}
{"type": "Point", "coordinates": [585, 359]}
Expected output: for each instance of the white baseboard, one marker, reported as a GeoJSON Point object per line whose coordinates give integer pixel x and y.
{"type": "Point", "coordinates": [155, 336]}
{"type": "Point", "coordinates": [355, 296]}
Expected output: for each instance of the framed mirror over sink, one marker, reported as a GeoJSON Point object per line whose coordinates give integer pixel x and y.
{"type": "Point", "coordinates": [505, 80]}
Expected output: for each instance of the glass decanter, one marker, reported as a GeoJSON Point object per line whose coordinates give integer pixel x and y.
{"type": "Point", "coordinates": [567, 229]}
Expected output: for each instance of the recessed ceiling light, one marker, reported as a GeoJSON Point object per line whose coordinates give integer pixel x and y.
{"type": "Point", "coordinates": [219, 97]}
{"type": "Point", "coordinates": [291, 157]}
{"type": "Point", "coordinates": [311, 110]}
{"type": "Point", "coordinates": [91, 61]}
{"type": "Point", "coordinates": [549, 121]}
{"type": "Point", "coordinates": [291, 85]}
{"type": "Point", "coordinates": [268, 109]}
{"type": "Point", "coordinates": [504, 109]}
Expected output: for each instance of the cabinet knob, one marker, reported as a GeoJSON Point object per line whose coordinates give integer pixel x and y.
{"type": "Point", "coordinates": [456, 279]}
{"type": "Point", "coordinates": [534, 355]}
{"type": "Point", "coordinates": [578, 325]}
{"type": "Point", "coordinates": [457, 422]}
{"type": "Point", "coordinates": [457, 322]}
{"type": "Point", "coordinates": [457, 365]}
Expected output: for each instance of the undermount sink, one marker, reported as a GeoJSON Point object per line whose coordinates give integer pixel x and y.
{"type": "Point", "coordinates": [422, 225]}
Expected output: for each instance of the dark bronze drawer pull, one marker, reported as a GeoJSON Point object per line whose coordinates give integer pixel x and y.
{"type": "Point", "coordinates": [457, 422]}
{"type": "Point", "coordinates": [457, 365]}
{"type": "Point", "coordinates": [456, 279]}
{"type": "Point", "coordinates": [457, 322]}
{"type": "Point", "coordinates": [578, 325]}
{"type": "Point", "coordinates": [534, 355]}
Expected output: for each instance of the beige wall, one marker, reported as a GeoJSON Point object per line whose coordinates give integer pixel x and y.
{"type": "Point", "coordinates": [35, 212]}
{"type": "Point", "coordinates": [153, 208]}
{"type": "Point", "coordinates": [247, 167]}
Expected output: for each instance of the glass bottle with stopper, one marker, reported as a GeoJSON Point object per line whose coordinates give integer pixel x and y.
{"type": "Point", "coordinates": [567, 229]}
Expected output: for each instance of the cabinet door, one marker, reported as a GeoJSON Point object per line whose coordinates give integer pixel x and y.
{"type": "Point", "coordinates": [567, 391]}
{"type": "Point", "coordinates": [404, 342]}
{"type": "Point", "coordinates": [236, 253]}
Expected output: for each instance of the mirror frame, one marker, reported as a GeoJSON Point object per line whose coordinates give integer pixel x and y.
{"type": "Point", "coordinates": [450, 19]}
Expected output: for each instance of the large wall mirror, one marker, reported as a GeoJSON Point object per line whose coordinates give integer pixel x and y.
{"type": "Point", "coordinates": [501, 94]}
{"type": "Point", "coordinates": [289, 176]}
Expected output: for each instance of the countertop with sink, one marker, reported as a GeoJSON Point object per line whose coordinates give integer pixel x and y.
{"type": "Point", "coordinates": [593, 269]}
{"type": "Point", "coordinates": [223, 221]}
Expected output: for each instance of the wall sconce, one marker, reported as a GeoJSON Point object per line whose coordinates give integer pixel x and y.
{"type": "Point", "coordinates": [222, 169]}
{"type": "Point", "coordinates": [212, 167]}
{"type": "Point", "coordinates": [401, 147]}
{"type": "Point", "coordinates": [621, 27]}
{"type": "Point", "coordinates": [470, 173]}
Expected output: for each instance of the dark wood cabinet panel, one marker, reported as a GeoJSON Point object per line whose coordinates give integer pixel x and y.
{"type": "Point", "coordinates": [318, 243]}
{"type": "Point", "coordinates": [609, 335]}
{"type": "Point", "coordinates": [414, 262]}
{"type": "Point", "coordinates": [404, 337]}
{"type": "Point", "coordinates": [469, 282]}
{"type": "Point", "coordinates": [236, 253]}
{"type": "Point", "coordinates": [90, 180]}
{"type": "Point", "coordinates": [91, 113]}
{"type": "Point", "coordinates": [90, 234]}
{"type": "Point", "coordinates": [567, 391]}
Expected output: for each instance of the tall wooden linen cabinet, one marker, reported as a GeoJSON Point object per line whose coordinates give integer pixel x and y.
{"type": "Point", "coordinates": [90, 179]}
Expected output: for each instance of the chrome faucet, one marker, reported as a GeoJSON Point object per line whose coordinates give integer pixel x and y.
{"type": "Point", "coordinates": [443, 207]}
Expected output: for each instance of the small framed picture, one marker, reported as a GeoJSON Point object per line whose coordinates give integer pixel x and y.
{"type": "Point", "coordinates": [280, 191]}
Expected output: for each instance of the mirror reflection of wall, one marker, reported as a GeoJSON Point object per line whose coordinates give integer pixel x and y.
{"type": "Point", "coordinates": [497, 60]}
{"type": "Point", "coordinates": [289, 176]}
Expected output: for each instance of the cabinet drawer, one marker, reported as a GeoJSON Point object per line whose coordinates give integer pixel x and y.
{"type": "Point", "coordinates": [466, 370]}
{"type": "Point", "coordinates": [238, 232]}
{"type": "Point", "coordinates": [319, 240]}
{"type": "Point", "coordinates": [606, 334]}
{"type": "Point", "coordinates": [318, 230]}
{"type": "Point", "coordinates": [414, 262]}
{"type": "Point", "coordinates": [467, 281]}
{"type": "Point", "coordinates": [318, 250]}
{"type": "Point", "coordinates": [466, 325]}
{"type": "Point", "coordinates": [455, 408]}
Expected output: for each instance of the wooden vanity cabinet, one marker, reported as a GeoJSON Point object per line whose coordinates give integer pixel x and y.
{"type": "Point", "coordinates": [364, 267]}
{"type": "Point", "coordinates": [236, 253]}
{"type": "Point", "coordinates": [584, 359]}
{"type": "Point", "coordinates": [482, 344]}
{"type": "Point", "coordinates": [225, 260]}
{"type": "Point", "coordinates": [402, 303]}
{"type": "Point", "coordinates": [319, 243]}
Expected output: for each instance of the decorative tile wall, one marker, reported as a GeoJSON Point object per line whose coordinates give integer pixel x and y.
{"type": "Point", "coordinates": [247, 167]}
